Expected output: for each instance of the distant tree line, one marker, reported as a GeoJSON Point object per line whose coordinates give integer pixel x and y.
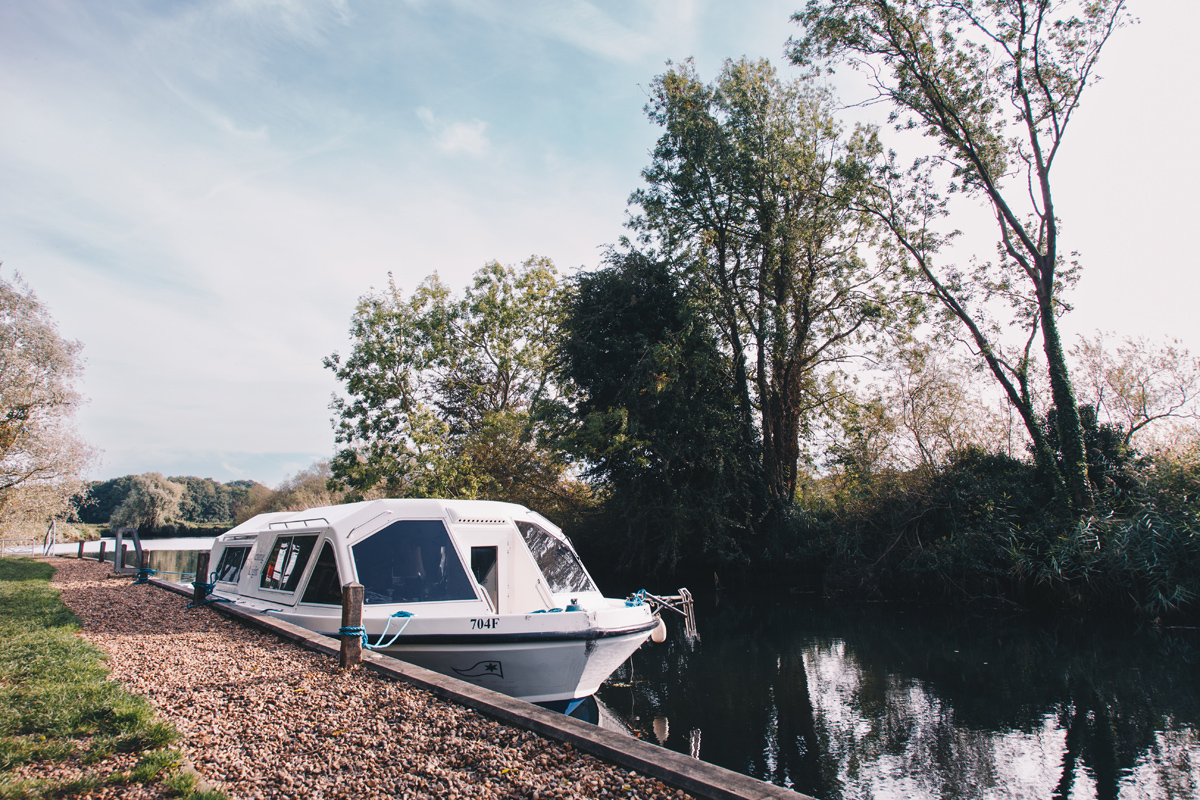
{"type": "Point", "coordinates": [186, 505]}
{"type": "Point", "coordinates": [152, 502]}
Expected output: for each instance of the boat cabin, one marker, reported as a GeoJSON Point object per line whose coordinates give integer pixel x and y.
{"type": "Point", "coordinates": [466, 557]}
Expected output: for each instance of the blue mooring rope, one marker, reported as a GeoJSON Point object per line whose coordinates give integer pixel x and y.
{"type": "Point", "coordinates": [359, 630]}
{"type": "Point", "coordinates": [144, 574]}
{"type": "Point", "coordinates": [353, 630]}
{"type": "Point", "coordinates": [208, 589]}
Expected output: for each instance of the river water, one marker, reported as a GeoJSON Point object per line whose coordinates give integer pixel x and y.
{"type": "Point", "coordinates": [883, 703]}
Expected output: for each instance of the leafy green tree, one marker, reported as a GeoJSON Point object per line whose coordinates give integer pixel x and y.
{"type": "Point", "coordinates": [745, 188]}
{"type": "Point", "coordinates": [42, 458]}
{"type": "Point", "coordinates": [204, 500]}
{"type": "Point", "coordinates": [100, 499]}
{"type": "Point", "coordinates": [656, 418]}
{"type": "Point", "coordinates": [248, 498]}
{"type": "Point", "coordinates": [996, 84]}
{"type": "Point", "coordinates": [308, 488]}
{"type": "Point", "coordinates": [440, 390]}
{"type": "Point", "coordinates": [152, 502]}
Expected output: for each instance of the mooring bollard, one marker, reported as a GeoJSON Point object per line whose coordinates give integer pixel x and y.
{"type": "Point", "coordinates": [200, 585]}
{"type": "Point", "coordinates": [352, 602]}
{"type": "Point", "coordinates": [102, 545]}
{"type": "Point", "coordinates": [80, 550]}
{"type": "Point", "coordinates": [118, 566]}
{"type": "Point", "coordinates": [144, 571]}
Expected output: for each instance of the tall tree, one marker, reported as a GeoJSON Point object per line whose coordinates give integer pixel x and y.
{"type": "Point", "coordinates": [440, 390]}
{"type": "Point", "coordinates": [996, 84]}
{"type": "Point", "coordinates": [655, 418]}
{"type": "Point", "coordinates": [42, 457]}
{"type": "Point", "coordinates": [744, 189]}
{"type": "Point", "coordinates": [152, 502]}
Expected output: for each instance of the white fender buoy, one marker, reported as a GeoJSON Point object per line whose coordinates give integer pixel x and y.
{"type": "Point", "coordinates": [659, 634]}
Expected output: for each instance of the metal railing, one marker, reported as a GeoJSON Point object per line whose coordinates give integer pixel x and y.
{"type": "Point", "coordinates": [25, 545]}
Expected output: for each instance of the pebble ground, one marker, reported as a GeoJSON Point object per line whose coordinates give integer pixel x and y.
{"type": "Point", "coordinates": [263, 718]}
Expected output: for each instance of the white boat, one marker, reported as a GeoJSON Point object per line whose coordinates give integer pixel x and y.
{"type": "Point", "coordinates": [488, 592]}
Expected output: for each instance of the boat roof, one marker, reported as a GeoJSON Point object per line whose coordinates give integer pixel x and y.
{"type": "Point", "coordinates": [346, 517]}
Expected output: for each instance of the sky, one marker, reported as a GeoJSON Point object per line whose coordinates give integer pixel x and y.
{"type": "Point", "coordinates": [200, 191]}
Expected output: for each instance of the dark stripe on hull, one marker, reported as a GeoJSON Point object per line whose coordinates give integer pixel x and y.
{"type": "Point", "coordinates": [516, 638]}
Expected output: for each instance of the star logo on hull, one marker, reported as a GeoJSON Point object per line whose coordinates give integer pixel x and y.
{"type": "Point", "coordinates": [481, 669]}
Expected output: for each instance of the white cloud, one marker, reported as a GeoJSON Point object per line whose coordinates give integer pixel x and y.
{"type": "Point", "coordinates": [301, 20]}
{"type": "Point", "coordinates": [583, 25]}
{"type": "Point", "coordinates": [469, 138]}
{"type": "Point", "coordinates": [465, 137]}
{"type": "Point", "coordinates": [215, 116]}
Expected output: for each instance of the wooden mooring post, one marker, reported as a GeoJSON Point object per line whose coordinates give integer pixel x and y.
{"type": "Point", "coordinates": [143, 567]}
{"type": "Point", "coordinates": [80, 550]}
{"type": "Point", "coordinates": [352, 603]}
{"type": "Point", "coordinates": [119, 565]}
{"type": "Point", "coordinates": [200, 585]}
{"type": "Point", "coordinates": [102, 546]}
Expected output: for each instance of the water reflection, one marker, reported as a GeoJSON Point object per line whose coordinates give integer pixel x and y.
{"type": "Point", "coordinates": [885, 704]}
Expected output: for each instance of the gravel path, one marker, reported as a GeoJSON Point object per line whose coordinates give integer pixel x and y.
{"type": "Point", "coordinates": [263, 718]}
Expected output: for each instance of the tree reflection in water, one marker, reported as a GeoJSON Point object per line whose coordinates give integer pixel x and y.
{"type": "Point", "coordinates": [888, 704]}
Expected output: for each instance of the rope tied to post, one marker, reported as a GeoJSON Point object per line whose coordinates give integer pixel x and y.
{"type": "Point", "coordinates": [206, 589]}
{"type": "Point", "coordinates": [144, 574]}
{"type": "Point", "coordinates": [359, 630]}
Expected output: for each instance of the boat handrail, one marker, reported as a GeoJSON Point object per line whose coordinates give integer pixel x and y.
{"type": "Point", "coordinates": [544, 591]}
{"type": "Point", "coordinates": [681, 604]}
{"type": "Point", "coordinates": [315, 522]}
{"type": "Point", "coordinates": [350, 532]}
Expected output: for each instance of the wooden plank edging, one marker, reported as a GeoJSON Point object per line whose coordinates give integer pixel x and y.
{"type": "Point", "coordinates": [695, 777]}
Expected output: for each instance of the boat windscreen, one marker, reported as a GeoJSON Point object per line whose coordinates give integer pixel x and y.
{"type": "Point", "coordinates": [287, 561]}
{"type": "Point", "coordinates": [324, 586]}
{"type": "Point", "coordinates": [411, 561]}
{"type": "Point", "coordinates": [558, 563]}
{"type": "Point", "coordinates": [229, 568]}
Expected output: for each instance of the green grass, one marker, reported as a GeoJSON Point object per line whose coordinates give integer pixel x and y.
{"type": "Point", "coordinates": [57, 704]}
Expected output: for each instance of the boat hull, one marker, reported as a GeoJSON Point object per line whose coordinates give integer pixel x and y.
{"type": "Point", "coordinates": [539, 670]}
{"type": "Point", "coordinates": [540, 658]}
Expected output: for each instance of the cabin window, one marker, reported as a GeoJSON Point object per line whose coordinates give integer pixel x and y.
{"type": "Point", "coordinates": [556, 560]}
{"type": "Point", "coordinates": [411, 561]}
{"type": "Point", "coordinates": [483, 565]}
{"type": "Point", "coordinates": [325, 585]}
{"type": "Point", "coordinates": [229, 568]}
{"type": "Point", "coordinates": [287, 561]}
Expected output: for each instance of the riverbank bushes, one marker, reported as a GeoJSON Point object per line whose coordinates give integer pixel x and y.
{"type": "Point", "coordinates": [983, 528]}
